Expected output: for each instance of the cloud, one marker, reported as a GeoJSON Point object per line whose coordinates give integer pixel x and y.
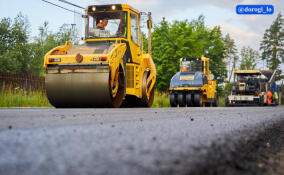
{"type": "Point", "coordinates": [134, 3]}
{"type": "Point", "coordinates": [245, 29]}
{"type": "Point", "coordinates": [241, 37]}
{"type": "Point", "coordinates": [144, 4]}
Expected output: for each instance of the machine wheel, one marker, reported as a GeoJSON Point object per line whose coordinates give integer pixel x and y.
{"type": "Point", "coordinates": [117, 92]}
{"type": "Point", "coordinates": [173, 99]}
{"type": "Point", "coordinates": [181, 101]}
{"type": "Point", "coordinates": [227, 102]}
{"type": "Point", "coordinates": [197, 99]}
{"type": "Point", "coordinates": [207, 104]}
{"type": "Point", "coordinates": [147, 100]}
{"type": "Point", "coordinates": [188, 100]}
{"type": "Point", "coordinates": [215, 103]}
{"type": "Point", "coordinates": [261, 101]}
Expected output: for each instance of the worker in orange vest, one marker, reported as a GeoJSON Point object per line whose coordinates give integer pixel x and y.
{"type": "Point", "coordinates": [102, 24]}
{"type": "Point", "coordinates": [184, 69]}
{"type": "Point", "coordinates": [269, 97]}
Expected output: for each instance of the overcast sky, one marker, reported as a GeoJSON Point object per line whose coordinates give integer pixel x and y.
{"type": "Point", "coordinates": [246, 30]}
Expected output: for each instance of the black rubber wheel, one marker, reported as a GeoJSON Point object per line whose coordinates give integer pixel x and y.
{"type": "Point", "coordinates": [207, 104]}
{"type": "Point", "coordinates": [261, 101]}
{"type": "Point", "coordinates": [188, 100]}
{"type": "Point", "coordinates": [215, 103]}
{"type": "Point", "coordinates": [173, 99]}
{"type": "Point", "coordinates": [118, 99]}
{"type": "Point", "coordinates": [146, 101]}
{"type": "Point", "coordinates": [181, 101]}
{"type": "Point", "coordinates": [227, 101]}
{"type": "Point", "coordinates": [197, 100]}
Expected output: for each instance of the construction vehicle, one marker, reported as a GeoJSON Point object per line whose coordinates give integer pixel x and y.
{"type": "Point", "coordinates": [251, 87]}
{"type": "Point", "coordinates": [110, 69]}
{"type": "Point", "coordinates": [193, 85]}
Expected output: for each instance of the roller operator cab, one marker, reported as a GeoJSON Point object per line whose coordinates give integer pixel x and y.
{"type": "Point", "coordinates": [193, 85]}
{"type": "Point", "coordinates": [110, 69]}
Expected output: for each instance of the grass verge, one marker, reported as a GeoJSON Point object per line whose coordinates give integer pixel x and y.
{"type": "Point", "coordinates": [38, 99]}
{"type": "Point", "coordinates": [23, 99]}
{"type": "Point", "coordinates": [161, 99]}
{"type": "Point", "coordinates": [221, 101]}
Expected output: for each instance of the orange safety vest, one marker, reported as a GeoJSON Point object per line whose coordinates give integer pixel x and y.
{"type": "Point", "coordinates": [101, 25]}
{"type": "Point", "coordinates": [269, 96]}
{"type": "Point", "coordinates": [184, 69]}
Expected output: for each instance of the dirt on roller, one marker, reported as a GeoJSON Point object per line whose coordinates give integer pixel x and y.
{"type": "Point", "coordinates": [238, 140]}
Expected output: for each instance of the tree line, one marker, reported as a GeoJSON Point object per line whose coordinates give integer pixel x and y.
{"type": "Point", "coordinates": [22, 53]}
{"type": "Point", "coordinates": [170, 42]}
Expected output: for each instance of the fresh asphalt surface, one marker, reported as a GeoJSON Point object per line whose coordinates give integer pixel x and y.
{"type": "Point", "coordinates": [122, 141]}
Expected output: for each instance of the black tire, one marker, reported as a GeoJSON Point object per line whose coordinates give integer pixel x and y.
{"type": "Point", "coordinates": [118, 99]}
{"type": "Point", "coordinates": [133, 101]}
{"type": "Point", "coordinates": [188, 100]}
{"type": "Point", "coordinates": [261, 101]}
{"type": "Point", "coordinates": [173, 99]}
{"type": "Point", "coordinates": [208, 104]}
{"type": "Point", "coordinates": [216, 101]}
{"type": "Point", "coordinates": [197, 100]}
{"type": "Point", "coordinates": [145, 101]}
{"type": "Point", "coordinates": [181, 101]}
{"type": "Point", "coordinates": [226, 101]}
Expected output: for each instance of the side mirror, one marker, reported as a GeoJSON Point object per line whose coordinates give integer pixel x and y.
{"type": "Point", "coordinates": [68, 43]}
{"type": "Point", "coordinates": [211, 77]}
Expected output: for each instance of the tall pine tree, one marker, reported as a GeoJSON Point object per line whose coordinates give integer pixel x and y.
{"type": "Point", "coordinates": [272, 46]}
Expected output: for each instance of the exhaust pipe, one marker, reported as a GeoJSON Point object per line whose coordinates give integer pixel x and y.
{"type": "Point", "coordinates": [149, 24]}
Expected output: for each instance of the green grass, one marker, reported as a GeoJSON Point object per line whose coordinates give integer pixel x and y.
{"type": "Point", "coordinates": [21, 98]}
{"type": "Point", "coordinates": [161, 99]}
{"type": "Point", "coordinates": [221, 101]}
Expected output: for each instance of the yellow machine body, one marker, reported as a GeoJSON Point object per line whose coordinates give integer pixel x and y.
{"type": "Point", "coordinates": [108, 70]}
{"type": "Point", "coordinates": [193, 87]}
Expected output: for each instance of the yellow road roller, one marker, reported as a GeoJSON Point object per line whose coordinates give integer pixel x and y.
{"type": "Point", "coordinates": [193, 86]}
{"type": "Point", "coordinates": [110, 69]}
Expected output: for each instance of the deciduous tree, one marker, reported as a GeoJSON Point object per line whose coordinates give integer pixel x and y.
{"type": "Point", "coordinates": [170, 42]}
{"type": "Point", "coordinates": [14, 46]}
{"type": "Point", "coordinates": [248, 58]}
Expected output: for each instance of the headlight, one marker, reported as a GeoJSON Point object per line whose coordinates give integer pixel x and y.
{"type": "Point", "coordinates": [242, 87]}
{"type": "Point", "coordinates": [94, 8]}
{"type": "Point", "coordinates": [96, 59]}
{"type": "Point", "coordinates": [54, 60]}
{"type": "Point", "coordinates": [99, 58]}
{"type": "Point", "coordinates": [113, 7]}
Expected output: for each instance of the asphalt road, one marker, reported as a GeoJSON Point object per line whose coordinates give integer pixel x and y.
{"type": "Point", "coordinates": [129, 141]}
